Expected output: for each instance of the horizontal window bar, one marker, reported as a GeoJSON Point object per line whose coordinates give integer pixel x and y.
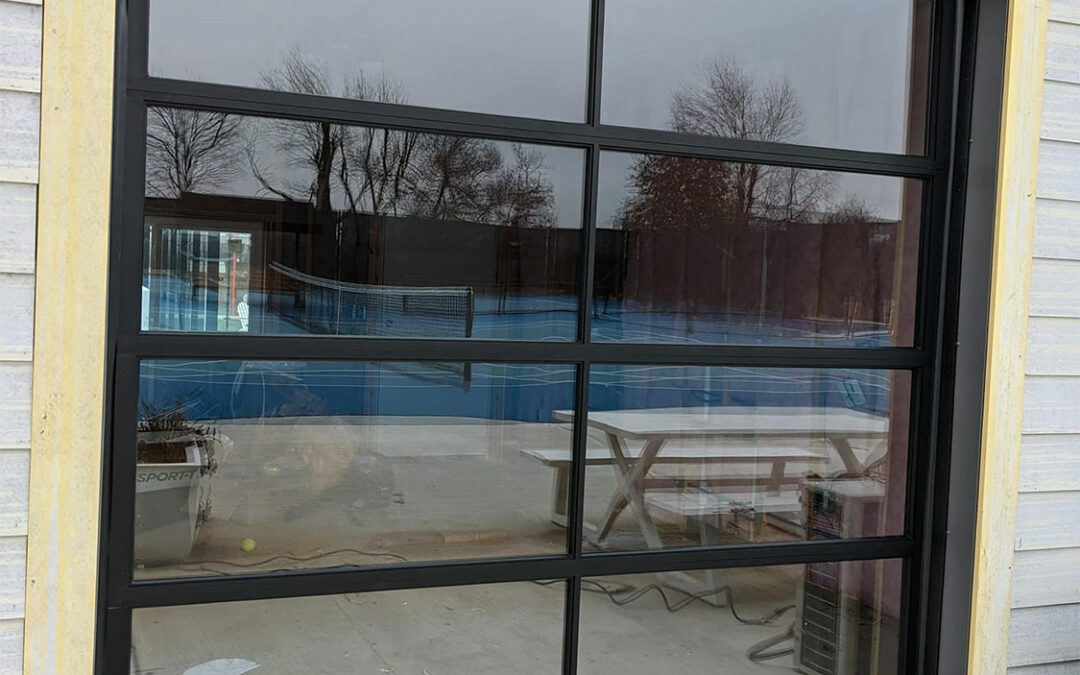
{"type": "Point", "coordinates": [292, 584]}
{"type": "Point", "coordinates": [258, 347]}
{"type": "Point", "coordinates": [244, 100]}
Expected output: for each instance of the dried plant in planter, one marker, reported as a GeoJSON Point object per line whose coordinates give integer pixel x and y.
{"type": "Point", "coordinates": [165, 434]}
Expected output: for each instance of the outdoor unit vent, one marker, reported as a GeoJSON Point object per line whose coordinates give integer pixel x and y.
{"type": "Point", "coordinates": [838, 603]}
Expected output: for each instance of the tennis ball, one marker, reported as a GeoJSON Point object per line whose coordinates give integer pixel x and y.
{"type": "Point", "coordinates": [248, 545]}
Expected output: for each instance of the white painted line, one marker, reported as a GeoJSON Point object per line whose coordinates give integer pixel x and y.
{"type": "Point", "coordinates": [223, 667]}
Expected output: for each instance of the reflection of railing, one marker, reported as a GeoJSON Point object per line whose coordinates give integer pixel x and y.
{"type": "Point", "coordinates": [183, 281]}
{"type": "Point", "coordinates": [192, 283]}
{"type": "Point", "coordinates": [327, 307]}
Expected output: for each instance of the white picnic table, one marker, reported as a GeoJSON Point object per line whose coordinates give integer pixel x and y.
{"type": "Point", "coordinates": [719, 426]}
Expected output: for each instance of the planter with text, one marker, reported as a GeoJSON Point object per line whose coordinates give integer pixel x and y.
{"type": "Point", "coordinates": [172, 491]}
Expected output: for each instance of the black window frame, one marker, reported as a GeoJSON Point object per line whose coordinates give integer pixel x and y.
{"type": "Point", "coordinates": [930, 360]}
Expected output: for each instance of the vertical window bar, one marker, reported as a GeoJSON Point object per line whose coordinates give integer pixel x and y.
{"type": "Point", "coordinates": [575, 507]}
{"type": "Point", "coordinates": [588, 245]}
{"type": "Point", "coordinates": [114, 653]}
{"type": "Point", "coordinates": [927, 284]}
{"type": "Point", "coordinates": [129, 227]}
{"type": "Point", "coordinates": [922, 478]}
{"type": "Point", "coordinates": [592, 117]}
{"type": "Point", "coordinates": [909, 587]}
{"type": "Point", "coordinates": [918, 495]}
{"type": "Point", "coordinates": [575, 495]}
{"type": "Point", "coordinates": [573, 619]}
{"type": "Point", "coordinates": [596, 63]}
{"type": "Point", "coordinates": [575, 516]}
{"type": "Point", "coordinates": [122, 459]}
{"type": "Point", "coordinates": [138, 37]}
{"type": "Point", "coordinates": [928, 466]}
{"type": "Point", "coordinates": [942, 77]}
{"type": "Point", "coordinates": [934, 90]}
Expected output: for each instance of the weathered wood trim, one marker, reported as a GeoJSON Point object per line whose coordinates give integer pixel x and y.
{"type": "Point", "coordinates": [1009, 292]}
{"type": "Point", "coordinates": [69, 336]}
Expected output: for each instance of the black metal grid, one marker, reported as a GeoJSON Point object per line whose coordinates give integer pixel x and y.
{"type": "Point", "coordinates": [925, 360]}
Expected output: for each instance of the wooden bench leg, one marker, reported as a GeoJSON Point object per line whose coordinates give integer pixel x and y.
{"type": "Point", "coordinates": [776, 478]}
{"type": "Point", "coordinates": [560, 493]}
{"type": "Point", "coordinates": [631, 478]}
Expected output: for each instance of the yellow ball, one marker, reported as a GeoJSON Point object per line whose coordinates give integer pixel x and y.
{"type": "Point", "coordinates": [248, 545]}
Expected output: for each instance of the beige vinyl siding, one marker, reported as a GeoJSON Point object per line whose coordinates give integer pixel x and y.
{"type": "Point", "coordinates": [20, 84]}
{"type": "Point", "coordinates": [1044, 634]}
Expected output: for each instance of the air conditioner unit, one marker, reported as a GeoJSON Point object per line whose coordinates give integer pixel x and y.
{"type": "Point", "coordinates": [838, 627]}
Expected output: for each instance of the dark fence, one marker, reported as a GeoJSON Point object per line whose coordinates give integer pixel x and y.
{"type": "Point", "coordinates": [835, 271]}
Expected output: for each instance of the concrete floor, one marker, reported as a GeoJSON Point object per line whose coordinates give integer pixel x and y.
{"type": "Point", "coordinates": [506, 628]}
{"type": "Point", "coordinates": [387, 489]}
{"type": "Point", "coordinates": [435, 490]}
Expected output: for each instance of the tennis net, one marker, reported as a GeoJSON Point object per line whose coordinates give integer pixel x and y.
{"type": "Point", "coordinates": [327, 307]}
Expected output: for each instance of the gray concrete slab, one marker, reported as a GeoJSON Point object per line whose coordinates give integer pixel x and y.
{"type": "Point", "coordinates": [503, 629]}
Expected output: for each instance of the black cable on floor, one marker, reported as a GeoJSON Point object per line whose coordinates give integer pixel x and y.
{"type": "Point", "coordinates": [634, 593]}
{"type": "Point", "coordinates": [295, 558]}
{"type": "Point", "coordinates": [619, 594]}
{"type": "Point", "coordinates": [758, 652]}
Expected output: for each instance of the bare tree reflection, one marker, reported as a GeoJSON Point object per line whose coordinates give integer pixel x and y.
{"type": "Point", "coordinates": [191, 150]}
{"type": "Point", "coordinates": [521, 195]}
{"type": "Point", "coordinates": [309, 148]}
{"type": "Point", "coordinates": [724, 202]}
{"type": "Point", "coordinates": [394, 172]}
{"type": "Point", "coordinates": [374, 167]}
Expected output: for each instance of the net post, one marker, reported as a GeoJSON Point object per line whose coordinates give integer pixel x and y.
{"type": "Point", "coordinates": [470, 313]}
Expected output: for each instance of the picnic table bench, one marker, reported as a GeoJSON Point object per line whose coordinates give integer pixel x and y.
{"type": "Point", "coordinates": [707, 435]}
{"type": "Point", "coordinates": [710, 434]}
{"type": "Point", "coordinates": [776, 456]}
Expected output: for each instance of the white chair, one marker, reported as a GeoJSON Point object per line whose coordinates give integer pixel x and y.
{"type": "Point", "coordinates": [243, 311]}
{"type": "Point", "coordinates": [144, 323]}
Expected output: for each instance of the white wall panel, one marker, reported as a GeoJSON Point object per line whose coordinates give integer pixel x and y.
{"type": "Point", "coordinates": [1046, 520]}
{"type": "Point", "coordinates": [11, 637]}
{"type": "Point", "coordinates": [14, 491]}
{"type": "Point", "coordinates": [1044, 578]}
{"type": "Point", "coordinates": [19, 119]}
{"type": "Point", "coordinates": [1057, 229]}
{"type": "Point", "coordinates": [1063, 52]}
{"type": "Point", "coordinates": [1051, 404]}
{"type": "Point", "coordinates": [17, 309]}
{"type": "Point", "coordinates": [1055, 287]}
{"type": "Point", "coordinates": [18, 206]}
{"type": "Point", "coordinates": [1044, 635]}
{"type": "Point", "coordinates": [20, 84]}
{"type": "Point", "coordinates": [1061, 111]}
{"type": "Point", "coordinates": [1050, 463]}
{"type": "Point", "coordinates": [12, 577]}
{"type": "Point", "coordinates": [20, 46]}
{"type": "Point", "coordinates": [1053, 346]}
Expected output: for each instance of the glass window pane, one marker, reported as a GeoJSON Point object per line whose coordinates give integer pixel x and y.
{"type": "Point", "coordinates": [253, 466]}
{"type": "Point", "coordinates": [703, 456]}
{"type": "Point", "coordinates": [497, 628]}
{"type": "Point", "coordinates": [510, 57]}
{"type": "Point", "coordinates": [836, 73]}
{"type": "Point", "coordinates": [704, 251]}
{"type": "Point", "coordinates": [285, 227]}
{"type": "Point", "coordinates": [833, 618]}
